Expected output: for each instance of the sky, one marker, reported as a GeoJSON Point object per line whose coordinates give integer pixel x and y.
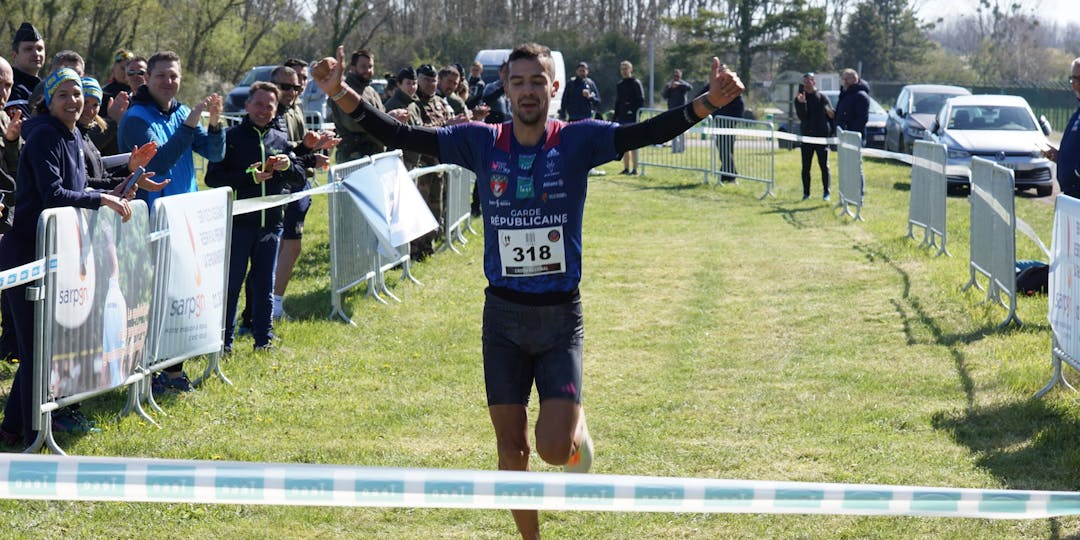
{"type": "Point", "coordinates": [1062, 10]}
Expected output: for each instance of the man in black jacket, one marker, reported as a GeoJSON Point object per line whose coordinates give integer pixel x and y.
{"type": "Point", "coordinates": [853, 105]}
{"type": "Point", "coordinates": [815, 115]}
{"type": "Point", "coordinates": [257, 163]}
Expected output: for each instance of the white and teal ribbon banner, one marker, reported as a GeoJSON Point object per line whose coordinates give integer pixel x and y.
{"type": "Point", "coordinates": [218, 482]}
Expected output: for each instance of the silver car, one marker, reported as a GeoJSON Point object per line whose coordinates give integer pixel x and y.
{"type": "Point", "coordinates": [999, 128]}
{"type": "Point", "coordinates": [915, 108]}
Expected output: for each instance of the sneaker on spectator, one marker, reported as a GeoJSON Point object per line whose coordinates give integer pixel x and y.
{"type": "Point", "coordinates": [282, 316]}
{"type": "Point", "coordinates": [265, 348]}
{"type": "Point", "coordinates": [68, 420]}
{"type": "Point", "coordinates": [581, 461]}
{"type": "Point", "coordinates": [163, 384]}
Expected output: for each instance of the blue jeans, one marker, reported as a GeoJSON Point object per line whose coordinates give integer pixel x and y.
{"type": "Point", "coordinates": [258, 245]}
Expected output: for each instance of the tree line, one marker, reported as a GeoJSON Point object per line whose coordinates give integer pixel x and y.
{"type": "Point", "coordinates": [219, 40]}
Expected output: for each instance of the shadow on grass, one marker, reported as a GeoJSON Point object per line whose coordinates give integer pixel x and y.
{"type": "Point", "coordinates": [639, 185]}
{"type": "Point", "coordinates": [790, 215]}
{"type": "Point", "coordinates": [902, 186]}
{"type": "Point", "coordinates": [912, 312]}
{"type": "Point", "coordinates": [1028, 444]}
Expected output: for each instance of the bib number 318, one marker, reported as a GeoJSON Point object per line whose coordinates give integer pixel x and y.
{"type": "Point", "coordinates": [532, 252]}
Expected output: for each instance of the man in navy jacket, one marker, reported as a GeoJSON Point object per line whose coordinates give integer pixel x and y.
{"type": "Point", "coordinates": [257, 163]}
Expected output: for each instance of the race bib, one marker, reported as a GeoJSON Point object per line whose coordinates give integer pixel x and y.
{"type": "Point", "coordinates": [532, 252]}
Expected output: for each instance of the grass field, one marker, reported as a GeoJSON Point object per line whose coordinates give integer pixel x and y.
{"type": "Point", "coordinates": [727, 338]}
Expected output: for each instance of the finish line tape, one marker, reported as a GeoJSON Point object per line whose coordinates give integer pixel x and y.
{"type": "Point", "coordinates": [217, 482]}
{"type": "Point", "coordinates": [25, 274]}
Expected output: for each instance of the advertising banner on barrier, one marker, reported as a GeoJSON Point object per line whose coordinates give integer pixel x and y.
{"type": "Point", "coordinates": [1064, 282]}
{"type": "Point", "coordinates": [104, 283]}
{"type": "Point", "coordinates": [192, 310]}
{"type": "Point", "coordinates": [390, 202]}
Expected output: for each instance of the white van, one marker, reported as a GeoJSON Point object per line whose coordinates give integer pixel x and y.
{"type": "Point", "coordinates": [491, 59]}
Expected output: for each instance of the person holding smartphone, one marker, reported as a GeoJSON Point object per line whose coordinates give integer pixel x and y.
{"type": "Point", "coordinates": [815, 114]}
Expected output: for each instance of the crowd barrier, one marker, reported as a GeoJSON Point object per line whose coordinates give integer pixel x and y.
{"type": "Point", "coordinates": [745, 150]}
{"type": "Point", "coordinates": [929, 192]}
{"type": "Point", "coordinates": [993, 234]}
{"type": "Point", "coordinates": [457, 208]}
{"type": "Point", "coordinates": [374, 213]}
{"type": "Point", "coordinates": [849, 182]}
{"type": "Point", "coordinates": [245, 483]}
{"type": "Point", "coordinates": [1063, 290]}
{"type": "Point", "coordinates": [691, 151]}
{"type": "Point", "coordinates": [91, 310]}
{"type": "Point", "coordinates": [191, 235]}
{"type": "Point", "coordinates": [117, 302]}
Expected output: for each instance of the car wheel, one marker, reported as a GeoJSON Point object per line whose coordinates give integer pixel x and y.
{"type": "Point", "coordinates": [1044, 191]}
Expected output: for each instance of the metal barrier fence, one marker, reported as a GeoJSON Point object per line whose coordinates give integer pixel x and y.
{"type": "Point", "coordinates": [746, 149]}
{"type": "Point", "coordinates": [850, 183]}
{"type": "Point", "coordinates": [993, 233]}
{"type": "Point", "coordinates": [457, 204]}
{"type": "Point", "coordinates": [691, 151]}
{"type": "Point", "coordinates": [353, 244]}
{"type": "Point", "coordinates": [926, 206]}
{"type": "Point", "coordinates": [91, 309]}
{"type": "Point", "coordinates": [191, 239]}
{"type": "Point", "coordinates": [1064, 291]}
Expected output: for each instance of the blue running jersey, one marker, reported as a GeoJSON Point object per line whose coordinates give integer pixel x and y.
{"type": "Point", "coordinates": [532, 197]}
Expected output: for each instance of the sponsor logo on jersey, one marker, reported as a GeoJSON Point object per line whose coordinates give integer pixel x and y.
{"type": "Point", "coordinates": [498, 185]}
{"type": "Point", "coordinates": [525, 187]}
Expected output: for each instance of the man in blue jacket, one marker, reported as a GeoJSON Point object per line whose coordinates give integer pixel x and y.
{"type": "Point", "coordinates": [156, 115]}
{"type": "Point", "coordinates": [257, 163]}
{"type": "Point", "coordinates": [1067, 155]}
{"type": "Point", "coordinates": [581, 97]}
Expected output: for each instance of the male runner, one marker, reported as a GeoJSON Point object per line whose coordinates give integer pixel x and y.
{"type": "Point", "coordinates": [532, 174]}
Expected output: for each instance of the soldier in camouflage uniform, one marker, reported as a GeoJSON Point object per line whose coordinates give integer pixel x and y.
{"type": "Point", "coordinates": [355, 142]}
{"type": "Point", "coordinates": [447, 88]}
{"type": "Point", "coordinates": [434, 112]}
{"type": "Point", "coordinates": [404, 99]}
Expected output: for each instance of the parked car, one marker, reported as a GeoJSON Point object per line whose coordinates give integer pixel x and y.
{"type": "Point", "coordinates": [915, 109]}
{"type": "Point", "coordinates": [317, 106]}
{"type": "Point", "coordinates": [999, 128]}
{"type": "Point", "coordinates": [875, 124]}
{"type": "Point", "coordinates": [234, 102]}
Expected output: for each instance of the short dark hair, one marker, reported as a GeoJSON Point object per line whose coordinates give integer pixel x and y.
{"type": "Point", "coordinates": [361, 53]}
{"type": "Point", "coordinates": [448, 70]}
{"type": "Point", "coordinates": [295, 63]}
{"type": "Point", "coordinates": [278, 71]}
{"type": "Point", "coordinates": [162, 56]}
{"type": "Point", "coordinates": [264, 86]}
{"type": "Point", "coordinates": [66, 57]}
{"type": "Point", "coordinates": [534, 51]}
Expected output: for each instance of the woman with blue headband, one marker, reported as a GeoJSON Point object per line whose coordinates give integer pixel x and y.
{"type": "Point", "coordinates": [51, 174]}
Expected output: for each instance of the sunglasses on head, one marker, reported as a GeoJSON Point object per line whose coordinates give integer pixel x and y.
{"type": "Point", "coordinates": [120, 57]}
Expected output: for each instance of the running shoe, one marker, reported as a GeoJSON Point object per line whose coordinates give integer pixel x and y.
{"type": "Point", "coordinates": [581, 461]}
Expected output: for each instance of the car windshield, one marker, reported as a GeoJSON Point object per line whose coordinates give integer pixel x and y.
{"type": "Point", "coordinates": [928, 103]}
{"type": "Point", "coordinates": [256, 74]}
{"type": "Point", "coordinates": [991, 118]}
